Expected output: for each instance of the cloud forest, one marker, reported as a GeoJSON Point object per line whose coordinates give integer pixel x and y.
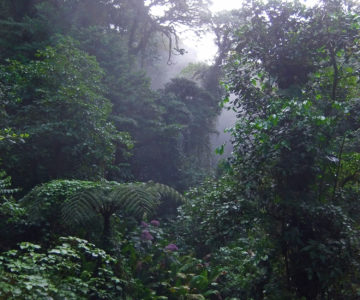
{"type": "Point", "coordinates": [111, 186]}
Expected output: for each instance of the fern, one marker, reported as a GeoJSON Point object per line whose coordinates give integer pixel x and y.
{"type": "Point", "coordinates": [170, 199]}
{"type": "Point", "coordinates": [166, 192]}
{"type": "Point", "coordinates": [12, 216]}
{"type": "Point", "coordinates": [131, 199]}
{"type": "Point", "coordinates": [44, 202]}
{"type": "Point", "coordinates": [89, 206]}
{"type": "Point", "coordinates": [128, 199]}
{"type": "Point", "coordinates": [5, 184]}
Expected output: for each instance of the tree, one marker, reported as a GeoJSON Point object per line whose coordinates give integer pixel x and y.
{"type": "Point", "coordinates": [136, 200]}
{"type": "Point", "coordinates": [202, 108]}
{"type": "Point", "coordinates": [294, 75]}
{"type": "Point", "coordinates": [58, 100]}
{"type": "Point", "coordinates": [119, 34]}
{"type": "Point", "coordinates": [137, 21]}
{"type": "Point", "coordinates": [188, 114]}
{"type": "Point", "coordinates": [147, 18]}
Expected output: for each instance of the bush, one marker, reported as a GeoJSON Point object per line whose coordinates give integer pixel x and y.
{"type": "Point", "coordinates": [74, 269]}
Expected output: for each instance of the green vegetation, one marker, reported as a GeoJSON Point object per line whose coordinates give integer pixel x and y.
{"type": "Point", "coordinates": [107, 189]}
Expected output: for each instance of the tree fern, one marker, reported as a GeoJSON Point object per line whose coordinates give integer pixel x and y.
{"type": "Point", "coordinates": [44, 202]}
{"type": "Point", "coordinates": [127, 199]}
{"type": "Point", "coordinates": [131, 199]}
{"type": "Point", "coordinates": [89, 206]}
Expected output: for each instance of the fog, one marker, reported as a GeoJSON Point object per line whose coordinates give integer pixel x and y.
{"type": "Point", "coordinates": [225, 121]}
{"type": "Point", "coordinates": [163, 70]}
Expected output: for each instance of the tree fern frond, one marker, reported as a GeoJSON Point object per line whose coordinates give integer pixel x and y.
{"type": "Point", "coordinates": [135, 200]}
{"type": "Point", "coordinates": [45, 201]}
{"type": "Point", "coordinates": [83, 206]}
{"type": "Point", "coordinates": [129, 199]}
{"type": "Point", "coordinates": [33, 205]}
{"type": "Point", "coordinates": [166, 192]}
{"type": "Point", "coordinates": [169, 198]}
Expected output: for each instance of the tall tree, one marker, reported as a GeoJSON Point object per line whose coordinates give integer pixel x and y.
{"type": "Point", "coordinates": [58, 100]}
{"type": "Point", "coordinates": [137, 21]}
{"type": "Point", "coordinates": [118, 33]}
{"type": "Point", "coordinates": [295, 76]}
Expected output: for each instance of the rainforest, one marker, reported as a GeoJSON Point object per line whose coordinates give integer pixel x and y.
{"type": "Point", "coordinates": [113, 184]}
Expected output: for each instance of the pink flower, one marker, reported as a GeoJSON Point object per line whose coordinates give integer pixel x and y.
{"type": "Point", "coordinates": [171, 247]}
{"type": "Point", "coordinates": [144, 224]}
{"type": "Point", "coordinates": [146, 236]}
{"type": "Point", "coordinates": [155, 223]}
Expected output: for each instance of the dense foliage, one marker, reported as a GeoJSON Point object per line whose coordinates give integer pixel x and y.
{"type": "Point", "coordinates": [91, 155]}
{"type": "Point", "coordinates": [91, 55]}
{"type": "Point", "coordinates": [284, 207]}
